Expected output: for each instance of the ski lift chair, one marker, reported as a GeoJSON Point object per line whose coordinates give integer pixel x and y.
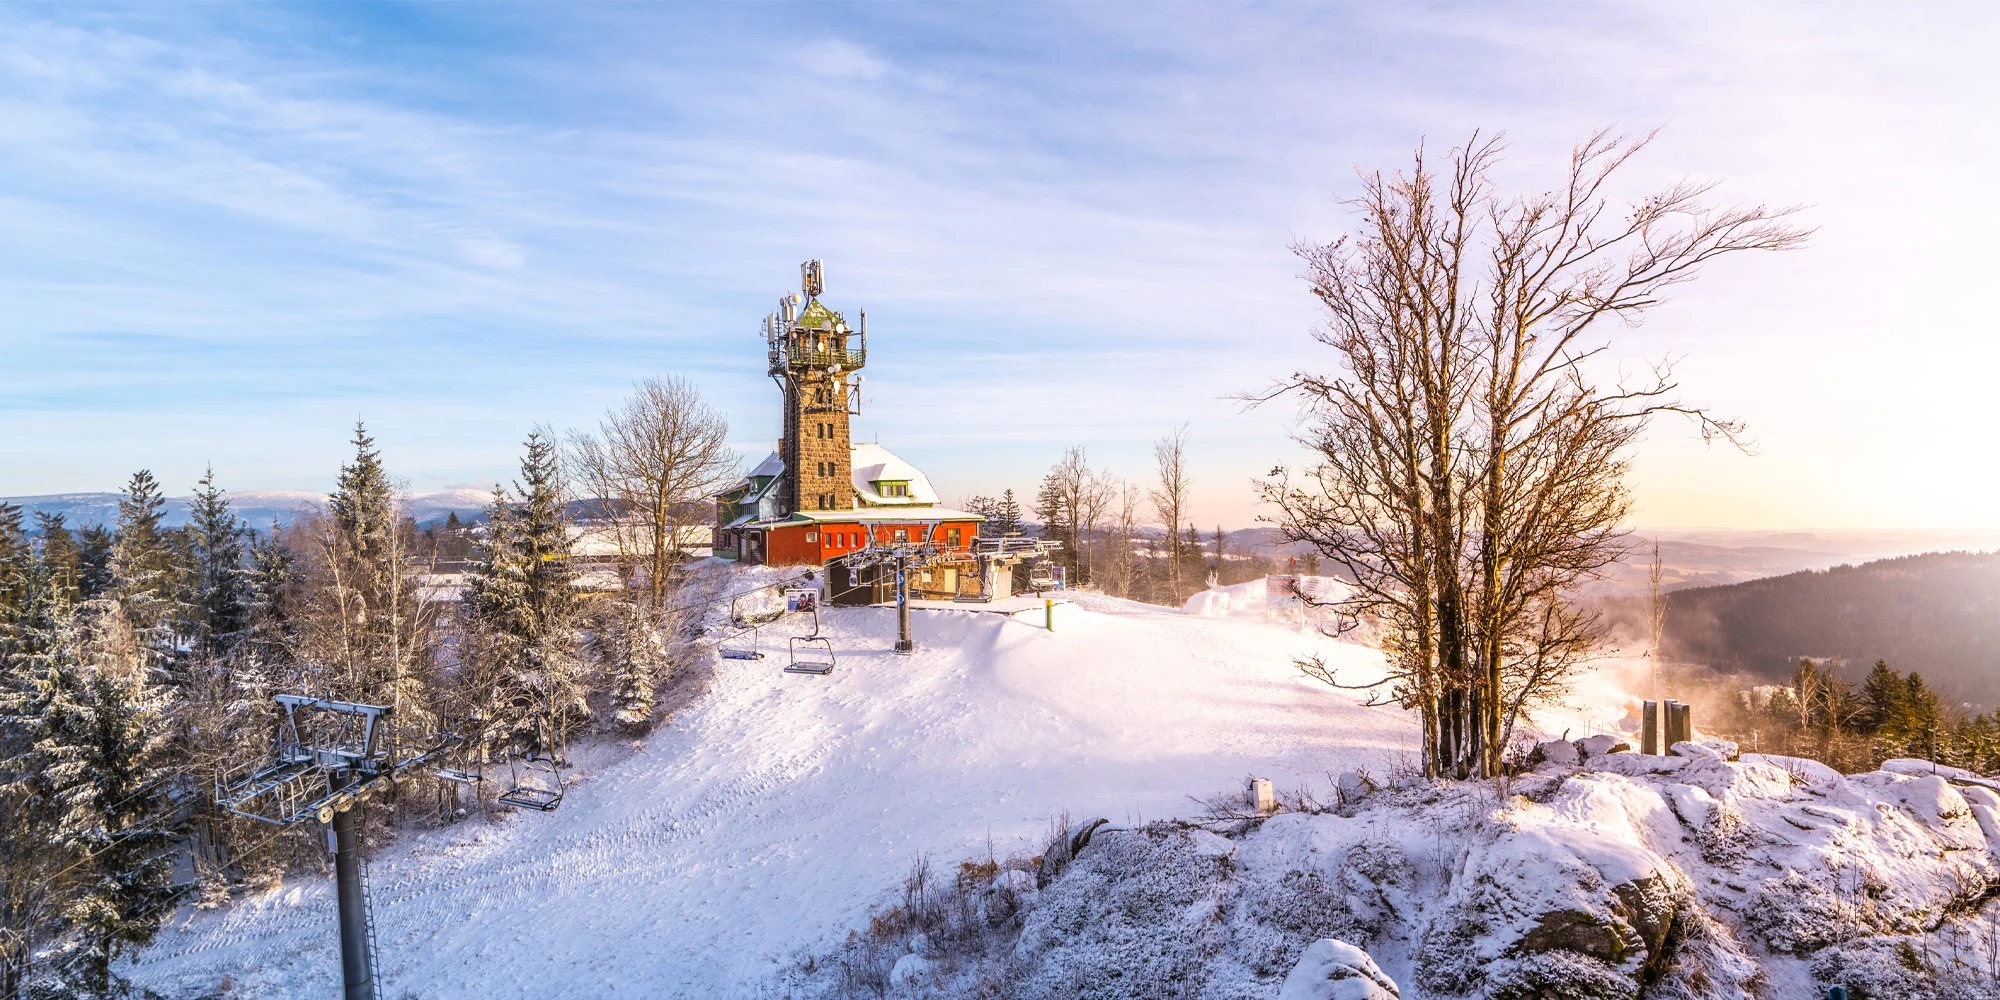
{"type": "Point", "coordinates": [739, 652]}
{"type": "Point", "coordinates": [810, 654]}
{"type": "Point", "coordinates": [537, 782]}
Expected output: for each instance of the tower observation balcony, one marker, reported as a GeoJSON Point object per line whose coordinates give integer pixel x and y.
{"type": "Point", "coordinates": [808, 340]}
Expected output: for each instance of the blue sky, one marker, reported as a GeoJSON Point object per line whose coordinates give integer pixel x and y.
{"type": "Point", "coordinates": [228, 231]}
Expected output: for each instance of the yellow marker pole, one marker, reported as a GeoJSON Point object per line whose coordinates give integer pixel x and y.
{"type": "Point", "coordinates": [1052, 614]}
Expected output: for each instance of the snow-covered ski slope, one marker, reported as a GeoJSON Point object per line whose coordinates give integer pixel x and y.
{"type": "Point", "coordinates": [773, 812]}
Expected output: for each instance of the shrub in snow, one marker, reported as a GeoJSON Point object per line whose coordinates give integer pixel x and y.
{"type": "Point", "coordinates": [1286, 913]}
{"type": "Point", "coordinates": [1126, 921]}
{"type": "Point", "coordinates": [1336, 970]}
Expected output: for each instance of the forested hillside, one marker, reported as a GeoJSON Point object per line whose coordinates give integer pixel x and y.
{"type": "Point", "coordinates": [1936, 614]}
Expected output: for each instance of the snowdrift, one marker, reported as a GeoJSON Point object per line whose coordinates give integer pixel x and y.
{"type": "Point", "coordinates": [770, 816]}
{"type": "Point", "coordinates": [1253, 598]}
{"type": "Point", "coordinates": [1663, 877]}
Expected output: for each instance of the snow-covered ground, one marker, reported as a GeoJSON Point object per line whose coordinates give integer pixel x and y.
{"type": "Point", "coordinates": [771, 814]}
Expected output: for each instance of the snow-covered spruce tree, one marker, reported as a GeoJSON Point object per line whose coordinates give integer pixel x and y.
{"type": "Point", "coordinates": [218, 610]}
{"type": "Point", "coordinates": [632, 646]}
{"type": "Point", "coordinates": [59, 558]}
{"type": "Point", "coordinates": [17, 563]}
{"type": "Point", "coordinates": [83, 701]}
{"type": "Point", "coordinates": [146, 575]}
{"type": "Point", "coordinates": [523, 597]}
{"type": "Point", "coordinates": [270, 576]}
{"type": "Point", "coordinates": [93, 561]}
{"type": "Point", "coordinates": [360, 629]}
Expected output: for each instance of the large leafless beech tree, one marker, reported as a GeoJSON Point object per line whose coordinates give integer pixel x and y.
{"type": "Point", "coordinates": [655, 460]}
{"type": "Point", "coordinates": [1470, 462]}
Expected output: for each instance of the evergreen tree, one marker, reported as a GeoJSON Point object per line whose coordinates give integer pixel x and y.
{"type": "Point", "coordinates": [60, 560]}
{"type": "Point", "coordinates": [17, 564]}
{"type": "Point", "coordinates": [144, 572]}
{"type": "Point", "coordinates": [220, 605]}
{"type": "Point", "coordinates": [364, 505]}
{"type": "Point", "coordinates": [98, 754]}
{"type": "Point", "coordinates": [363, 613]}
{"type": "Point", "coordinates": [1923, 716]}
{"type": "Point", "coordinates": [1882, 696]}
{"type": "Point", "coordinates": [524, 595]}
{"type": "Point", "coordinates": [268, 591]}
{"type": "Point", "coordinates": [630, 643]}
{"type": "Point", "coordinates": [93, 560]}
{"type": "Point", "coordinates": [1007, 515]}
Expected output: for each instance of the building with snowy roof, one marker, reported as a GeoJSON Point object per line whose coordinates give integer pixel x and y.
{"type": "Point", "coordinates": [822, 498]}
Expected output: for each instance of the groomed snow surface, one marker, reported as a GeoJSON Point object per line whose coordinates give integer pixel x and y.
{"type": "Point", "coordinates": [770, 815]}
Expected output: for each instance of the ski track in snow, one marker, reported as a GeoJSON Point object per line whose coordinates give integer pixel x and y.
{"type": "Point", "coordinates": [773, 813]}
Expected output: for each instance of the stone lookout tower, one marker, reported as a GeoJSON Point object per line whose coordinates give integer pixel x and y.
{"type": "Point", "coordinates": [814, 358]}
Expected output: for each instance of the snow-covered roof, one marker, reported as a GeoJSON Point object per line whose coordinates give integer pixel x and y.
{"type": "Point", "coordinates": [772, 465]}
{"type": "Point", "coordinates": [873, 464]}
{"type": "Point", "coordinates": [910, 514]}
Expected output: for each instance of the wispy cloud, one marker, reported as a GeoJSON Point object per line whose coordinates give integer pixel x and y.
{"type": "Point", "coordinates": [227, 233]}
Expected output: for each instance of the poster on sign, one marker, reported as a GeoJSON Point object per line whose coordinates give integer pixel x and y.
{"type": "Point", "coordinates": [802, 601]}
{"type": "Point", "coordinates": [1281, 588]}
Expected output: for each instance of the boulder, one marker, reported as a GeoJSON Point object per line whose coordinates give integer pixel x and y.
{"type": "Point", "coordinates": [1598, 746]}
{"type": "Point", "coordinates": [909, 970]}
{"type": "Point", "coordinates": [1714, 749]}
{"type": "Point", "coordinates": [1354, 786]}
{"type": "Point", "coordinates": [1335, 970]}
{"type": "Point", "coordinates": [1556, 752]}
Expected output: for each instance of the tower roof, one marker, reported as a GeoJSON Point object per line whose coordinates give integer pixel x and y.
{"type": "Point", "coordinates": [818, 317]}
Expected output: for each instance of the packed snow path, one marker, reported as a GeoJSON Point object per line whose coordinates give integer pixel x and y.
{"type": "Point", "coordinates": [776, 810]}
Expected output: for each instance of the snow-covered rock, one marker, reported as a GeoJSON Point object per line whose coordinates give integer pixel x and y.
{"type": "Point", "coordinates": [1354, 786]}
{"type": "Point", "coordinates": [1717, 749]}
{"type": "Point", "coordinates": [1692, 876]}
{"type": "Point", "coordinates": [1559, 752]}
{"type": "Point", "coordinates": [1336, 970]}
{"type": "Point", "coordinates": [1600, 745]}
{"type": "Point", "coordinates": [909, 970]}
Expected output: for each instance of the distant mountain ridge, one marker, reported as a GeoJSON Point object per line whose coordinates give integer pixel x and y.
{"type": "Point", "coordinates": [257, 508]}
{"type": "Point", "coordinates": [1937, 614]}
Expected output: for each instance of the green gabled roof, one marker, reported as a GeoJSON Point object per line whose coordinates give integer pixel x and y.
{"type": "Point", "coordinates": [818, 317]}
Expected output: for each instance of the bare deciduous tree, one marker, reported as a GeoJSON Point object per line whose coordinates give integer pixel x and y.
{"type": "Point", "coordinates": [1470, 470]}
{"type": "Point", "coordinates": [1073, 500]}
{"type": "Point", "coordinates": [1169, 498]}
{"type": "Point", "coordinates": [655, 461]}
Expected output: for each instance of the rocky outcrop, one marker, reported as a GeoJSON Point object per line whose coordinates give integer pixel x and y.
{"type": "Point", "coordinates": [1619, 878]}
{"type": "Point", "coordinates": [1335, 970]}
